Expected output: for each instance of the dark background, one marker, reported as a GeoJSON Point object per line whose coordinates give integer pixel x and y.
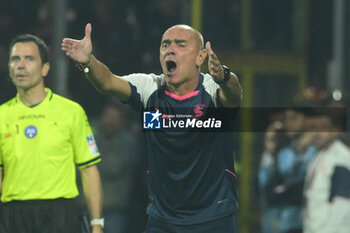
{"type": "Point", "coordinates": [276, 47]}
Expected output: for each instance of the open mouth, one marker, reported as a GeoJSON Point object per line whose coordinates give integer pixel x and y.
{"type": "Point", "coordinates": [171, 66]}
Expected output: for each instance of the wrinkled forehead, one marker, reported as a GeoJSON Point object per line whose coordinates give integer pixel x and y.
{"type": "Point", "coordinates": [178, 33]}
{"type": "Point", "coordinates": [182, 32]}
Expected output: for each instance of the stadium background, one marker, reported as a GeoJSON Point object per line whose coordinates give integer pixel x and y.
{"type": "Point", "coordinates": [277, 48]}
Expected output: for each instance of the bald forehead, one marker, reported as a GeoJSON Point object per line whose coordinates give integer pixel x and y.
{"type": "Point", "coordinates": [186, 30]}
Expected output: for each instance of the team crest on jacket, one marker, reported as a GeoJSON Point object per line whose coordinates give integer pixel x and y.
{"type": "Point", "coordinates": [198, 110]}
{"type": "Point", "coordinates": [31, 131]}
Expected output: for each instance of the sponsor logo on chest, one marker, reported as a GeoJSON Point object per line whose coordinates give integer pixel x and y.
{"type": "Point", "coordinates": [31, 117]}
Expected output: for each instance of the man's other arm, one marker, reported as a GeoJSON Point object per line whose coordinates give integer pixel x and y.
{"type": "Point", "coordinates": [230, 92]}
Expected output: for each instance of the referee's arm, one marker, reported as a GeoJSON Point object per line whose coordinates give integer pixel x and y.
{"type": "Point", "coordinates": [93, 193]}
{"type": "Point", "coordinates": [0, 180]}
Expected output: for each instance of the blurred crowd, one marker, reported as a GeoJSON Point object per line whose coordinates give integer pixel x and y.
{"type": "Point", "coordinates": [304, 173]}
{"type": "Point", "coordinates": [124, 168]}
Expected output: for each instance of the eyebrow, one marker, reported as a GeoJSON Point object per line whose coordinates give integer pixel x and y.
{"type": "Point", "coordinates": [177, 41]}
{"type": "Point", "coordinates": [18, 56]}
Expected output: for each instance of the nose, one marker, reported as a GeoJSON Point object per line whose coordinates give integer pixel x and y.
{"type": "Point", "coordinates": [21, 64]}
{"type": "Point", "coordinates": [170, 50]}
{"type": "Point", "coordinates": [171, 47]}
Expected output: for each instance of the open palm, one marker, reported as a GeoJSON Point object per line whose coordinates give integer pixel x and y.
{"type": "Point", "coordinates": [79, 50]}
{"type": "Point", "coordinates": [214, 65]}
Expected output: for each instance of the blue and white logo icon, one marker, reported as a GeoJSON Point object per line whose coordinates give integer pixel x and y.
{"type": "Point", "coordinates": [151, 120]}
{"type": "Point", "coordinates": [31, 131]}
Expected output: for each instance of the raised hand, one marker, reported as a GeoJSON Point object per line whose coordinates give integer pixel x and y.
{"type": "Point", "coordinates": [79, 50]}
{"type": "Point", "coordinates": [215, 68]}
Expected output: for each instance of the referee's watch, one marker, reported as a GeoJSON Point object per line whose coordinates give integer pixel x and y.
{"type": "Point", "coordinates": [98, 221]}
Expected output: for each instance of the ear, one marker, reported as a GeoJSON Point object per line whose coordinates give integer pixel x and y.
{"type": "Point", "coordinates": [45, 69]}
{"type": "Point", "coordinates": [201, 57]}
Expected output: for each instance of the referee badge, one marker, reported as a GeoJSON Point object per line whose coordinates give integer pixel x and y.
{"type": "Point", "coordinates": [31, 131]}
{"type": "Point", "coordinates": [92, 144]}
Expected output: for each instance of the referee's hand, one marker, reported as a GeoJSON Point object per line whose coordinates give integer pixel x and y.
{"type": "Point", "coordinates": [79, 50]}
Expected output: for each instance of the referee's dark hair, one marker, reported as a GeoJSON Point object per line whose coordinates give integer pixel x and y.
{"type": "Point", "coordinates": [43, 49]}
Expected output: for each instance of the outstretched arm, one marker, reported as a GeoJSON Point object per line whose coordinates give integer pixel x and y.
{"type": "Point", "coordinates": [98, 74]}
{"type": "Point", "coordinates": [230, 91]}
